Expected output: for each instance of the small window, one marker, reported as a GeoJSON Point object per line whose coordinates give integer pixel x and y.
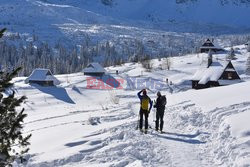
{"type": "Point", "coordinates": [230, 76]}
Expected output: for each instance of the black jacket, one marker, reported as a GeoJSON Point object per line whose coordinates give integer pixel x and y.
{"type": "Point", "coordinates": [158, 105]}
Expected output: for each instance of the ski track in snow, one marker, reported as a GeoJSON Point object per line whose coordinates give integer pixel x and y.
{"type": "Point", "coordinates": [122, 145]}
{"type": "Point", "coordinates": [190, 135]}
{"type": "Point", "coordinates": [226, 152]}
{"type": "Point", "coordinates": [194, 137]}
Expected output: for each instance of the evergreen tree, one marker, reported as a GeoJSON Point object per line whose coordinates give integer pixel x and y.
{"type": "Point", "coordinates": [12, 143]}
{"type": "Point", "coordinates": [248, 47]}
{"type": "Point", "coordinates": [166, 63]}
{"type": "Point", "coordinates": [231, 55]}
{"type": "Point", "coordinates": [147, 63]}
{"type": "Point", "coordinates": [1, 32]}
{"type": "Point", "coordinates": [248, 65]}
{"type": "Point", "coordinates": [107, 2]}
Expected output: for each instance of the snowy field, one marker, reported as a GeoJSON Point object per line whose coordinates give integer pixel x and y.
{"type": "Point", "coordinates": [75, 126]}
{"type": "Point", "coordinates": [61, 19]}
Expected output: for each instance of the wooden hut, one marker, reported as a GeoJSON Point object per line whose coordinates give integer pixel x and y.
{"type": "Point", "coordinates": [42, 77]}
{"type": "Point", "coordinates": [217, 74]}
{"type": "Point", "coordinates": [94, 69]}
{"type": "Point", "coordinates": [208, 45]}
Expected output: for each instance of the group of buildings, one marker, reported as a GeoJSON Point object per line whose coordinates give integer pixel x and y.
{"type": "Point", "coordinates": [44, 77]}
{"type": "Point", "coordinates": [214, 74]}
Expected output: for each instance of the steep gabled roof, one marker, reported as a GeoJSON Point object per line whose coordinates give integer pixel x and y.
{"type": "Point", "coordinates": [213, 72]}
{"type": "Point", "coordinates": [210, 45]}
{"type": "Point", "coordinates": [41, 74]}
{"type": "Point", "coordinates": [94, 68]}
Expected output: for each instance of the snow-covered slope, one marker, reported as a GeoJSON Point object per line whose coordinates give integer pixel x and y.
{"type": "Point", "coordinates": [66, 19]}
{"type": "Point", "coordinates": [194, 11]}
{"type": "Point", "coordinates": [75, 126]}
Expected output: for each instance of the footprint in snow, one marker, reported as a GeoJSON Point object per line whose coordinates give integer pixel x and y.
{"type": "Point", "coordinates": [94, 120]}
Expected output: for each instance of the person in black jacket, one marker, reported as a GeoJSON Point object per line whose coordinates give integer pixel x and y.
{"type": "Point", "coordinates": [160, 108]}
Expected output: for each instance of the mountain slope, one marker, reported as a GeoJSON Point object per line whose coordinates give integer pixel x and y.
{"type": "Point", "coordinates": [65, 19]}
{"type": "Point", "coordinates": [161, 11]}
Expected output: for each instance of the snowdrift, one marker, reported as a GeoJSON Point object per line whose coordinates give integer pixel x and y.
{"type": "Point", "coordinates": [75, 126]}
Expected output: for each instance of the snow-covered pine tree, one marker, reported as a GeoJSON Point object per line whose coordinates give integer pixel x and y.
{"type": "Point", "coordinates": [147, 63]}
{"type": "Point", "coordinates": [13, 145]}
{"type": "Point", "coordinates": [166, 63]}
{"type": "Point", "coordinates": [248, 47]}
{"type": "Point", "coordinates": [2, 31]}
{"type": "Point", "coordinates": [107, 2]}
{"type": "Point", "coordinates": [248, 65]}
{"type": "Point", "coordinates": [231, 55]}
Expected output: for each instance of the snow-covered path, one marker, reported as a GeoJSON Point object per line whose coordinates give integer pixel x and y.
{"type": "Point", "coordinates": [75, 126]}
{"type": "Point", "coordinates": [106, 134]}
{"type": "Point", "coordinates": [186, 138]}
{"type": "Point", "coordinates": [110, 138]}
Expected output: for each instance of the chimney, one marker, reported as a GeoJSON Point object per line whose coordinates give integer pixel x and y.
{"type": "Point", "coordinates": [210, 58]}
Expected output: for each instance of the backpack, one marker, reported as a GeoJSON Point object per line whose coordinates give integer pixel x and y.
{"type": "Point", "coordinates": [144, 103]}
{"type": "Point", "coordinates": [163, 101]}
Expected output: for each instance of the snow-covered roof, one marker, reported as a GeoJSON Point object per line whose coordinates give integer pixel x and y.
{"type": "Point", "coordinates": [41, 74]}
{"type": "Point", "coordinates": [94, 68]}
{"type": "Point", "coordinates": [213, 73]}
{"type": "Point", "coordinates": [210, 45]}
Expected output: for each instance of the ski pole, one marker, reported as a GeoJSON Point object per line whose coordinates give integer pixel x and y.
{"type": "Point", "coordinates": [154, 115]}
{"type": "Point", "coordinates": [138, 121]}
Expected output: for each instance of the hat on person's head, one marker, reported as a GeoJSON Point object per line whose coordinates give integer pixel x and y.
{"type": "Point", "coordinates": [144, 92]}
{"type": "Point", "coordinates": [158, 93]}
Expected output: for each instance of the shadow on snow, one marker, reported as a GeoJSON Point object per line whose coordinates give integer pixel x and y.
{"type": "Point", "coordinates": [186, 138]}
{"type": "Point", "coordinates": [73, 144]}
{"type": "Point", "coordinates": [57, 92]}
{"type": "Point", "coordinates": [103, 82]}
{"type": "Point", "coordinates": [186, 135]}
{"type": "Point", "coordinates": [111, 81]}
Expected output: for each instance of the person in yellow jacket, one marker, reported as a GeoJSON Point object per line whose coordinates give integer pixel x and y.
{"type": "Point", "coordinates": [146, 105]}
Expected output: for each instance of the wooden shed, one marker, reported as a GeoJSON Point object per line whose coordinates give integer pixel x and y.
{"type": "Point", "coordinates": [217, 74]}
{"type": "Point", "coordinates": [209, 45]}
{"type": "Point", "coordinates": [94, 69]}
{"type": "Point", "coordinates": [42, 77]}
